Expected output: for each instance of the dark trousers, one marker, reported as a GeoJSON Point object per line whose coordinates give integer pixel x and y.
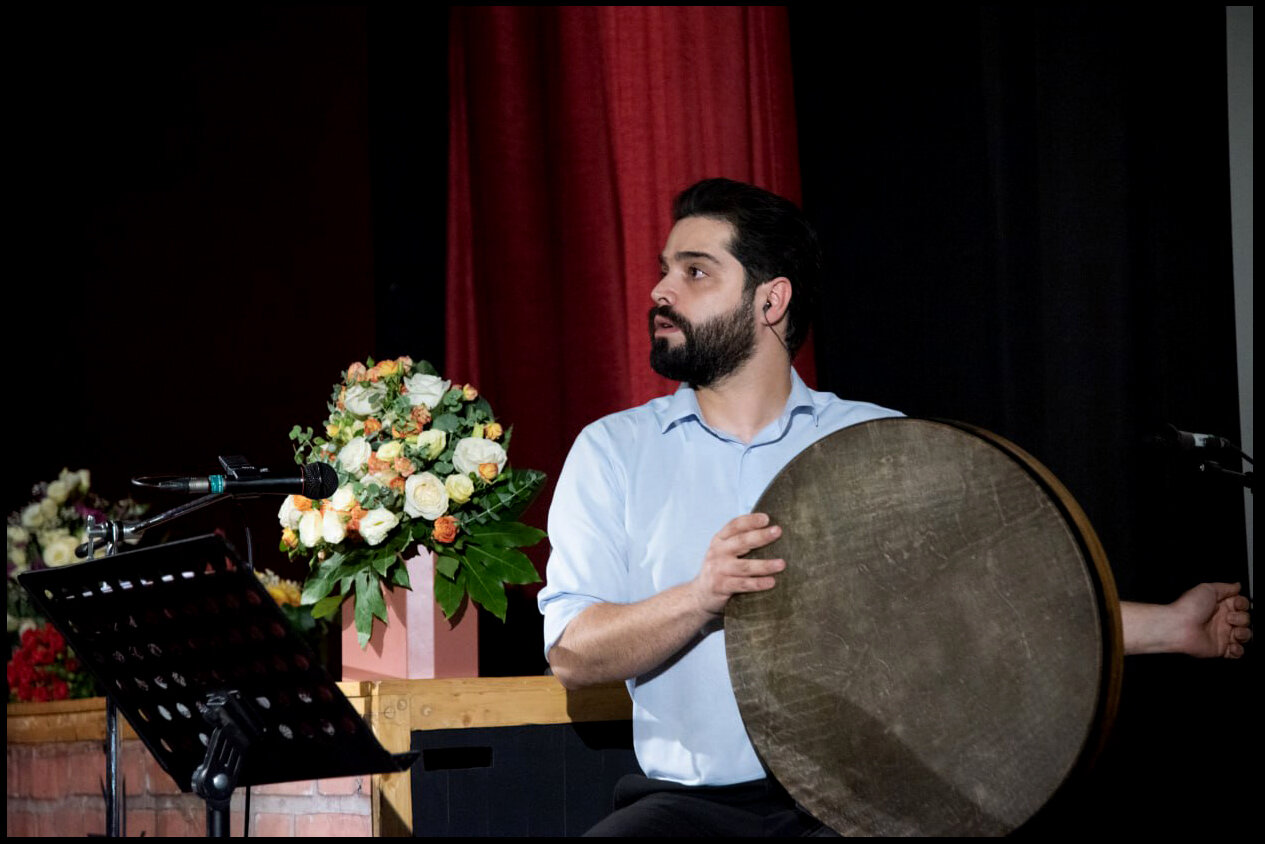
{"type": "Point", "coordinates": [657, 808]}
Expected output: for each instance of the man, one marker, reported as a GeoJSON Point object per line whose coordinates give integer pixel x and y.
{"type": "Point", "coordinates": [646, 532]}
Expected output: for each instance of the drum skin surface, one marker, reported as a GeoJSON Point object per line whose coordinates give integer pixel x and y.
{"type": "Point", "coordinates": [941, 651]}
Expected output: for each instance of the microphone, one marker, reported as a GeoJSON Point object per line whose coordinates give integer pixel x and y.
{"type": "Point", "coordinates": [1186, 441]}
{"type": "Point", "coordinates": [318, 480]}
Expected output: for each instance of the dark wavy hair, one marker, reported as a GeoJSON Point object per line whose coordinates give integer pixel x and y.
{"type": "Point", "coordinates": [771, 238]}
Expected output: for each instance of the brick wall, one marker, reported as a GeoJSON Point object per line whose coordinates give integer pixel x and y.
{"type": "Point", "coordinates": [55, 789]}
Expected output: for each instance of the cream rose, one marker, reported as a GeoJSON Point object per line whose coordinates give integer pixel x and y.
{"type": "Point", "coordinates": [289, 515]}
{"type": "Point", "coordinates": [470, 452]}
{"type": "Point", "coordinates": [18, 534]}
{"type": "Point", "coordinates": [60, 551]}
{"type": "Point", "coordinates": [311, 528]}
{"type": "Point", "coordinates": [431, 443]}
{"type": "Point", "coordinates": [354, 455]}
{"type": "Point", "coordinates": [59, 491]}
{"type": "Point", "coordinates": [332, 528]}
{"type": "Point", "coordinates": [344, 498]}
{"type": "Point", "coordinates": [32, 516]}
{"type": "Point", "coordinates": [425, 389]}
{"type": "Point", "coordinates": [376, 524]}
{"type": "Point", "coordinates": [425, 496]}
{"type": "Point", "coordinates": [364, 399]}
{"type": "Point", "coordinates": [459, 488]}
{"type": "Point", "coordinates": [387, 452]}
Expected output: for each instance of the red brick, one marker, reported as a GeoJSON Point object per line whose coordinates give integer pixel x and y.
{"type": "Point", "coordinates": [47, 774]}
{"type": "Point", "coordinates": [132, 767]}
{"type": "Point", "coordinates": [64, 823]}
{"type": "Point", "coordinates": [85, 769]}
{"type": "Point", "coordinates": [19, 824]}
{"type": "Point", "coordinates": [158, 781]}
{"type": "Point", "coordinates": [342, 785]}
{"type": "Point", "coordinates": [181, 823]}
{"type": "Point", "coordinates": [142, 822]}
{"type": "Point", "coordinates": [337, 826]}
{"type": "Point", "coordinates": [273, 825]}
{"type": "Point", "coordinates": [300, 788]}
{"type": "Point", "coordinates": [16, 774]}
{"type": "Point", "coordinates": [94, 819]}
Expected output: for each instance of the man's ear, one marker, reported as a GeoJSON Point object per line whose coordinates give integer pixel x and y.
{"type": "Point", "coordinates": [777, 298]}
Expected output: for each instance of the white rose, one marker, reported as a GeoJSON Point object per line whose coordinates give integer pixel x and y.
{"type": "Point", "coordinates": [60, 552]}
{"type": "Point", "coordinates": [289, 515]}
{"type": "Point", "coordinates": [354, 455]}
{"type": "Point", "coordinates": [425, 389]}
{"type": "Point", "coordinates": [376, 524]}
{"type": "Point", "coordinates": [344, 498]}
{"type": "Point", "coordinates": [459, 488]}
{"type": "Point", "coordinates": [431, 443]}
{"type": "Point", "coordinates": [32, 516]}
{"type": "Point", "coordinates": [387, 452]}
{"type": "Point", "coordinates": [424, 496]}
{"type": "Point", "coordinates": [333, 529]}
{"type": "Point", "coordinates": [17, 557]}
{"type": "Point", "coordinates": [472, 452]}
{"type": "Point", "coordinates": [364, 399]}
{"type": "Point", "coordinates": [48, 509]}
{"type": "Point", "coordinates": [85, 478]}
{"type": "Point", "coordinates": [311, 529]}
{"type": "Point", "coordinates": [58, 491]}
{"type": "Point", "coordinates": [18, 534]}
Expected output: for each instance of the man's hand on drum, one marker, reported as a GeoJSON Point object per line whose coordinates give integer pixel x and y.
{"type": "Point", "coordinates": [725, 572]}
{"type": "Point", "coordinates": [1213, 620]}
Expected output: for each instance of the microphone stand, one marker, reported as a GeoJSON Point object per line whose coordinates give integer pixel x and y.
{"type": "Point", "coordinates": [111, 535]}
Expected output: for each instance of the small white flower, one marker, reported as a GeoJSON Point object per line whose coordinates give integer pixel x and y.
{"type": "Point", "coordinates": [472, 451]}
{"type": "Point", "coordinates": [344, 498]}
{"type": "Point", "coordinates": [364, 399]}
{"type": "Point", "coordinates": [376, 524]}
{"type": "Point", "coordinates": [289, 515]}
{"type": "Point", "coordinates": [32, 516]}
{"type": "Point", "coordinates": [425, 389]}
{"type": "Point", "coordinates": [58, 491]}
{"type": "Point", "coordinates": [354, 455]}
{"type": "Point", "coordinates": [425, 496]}
{"type": "Point", "coordinates": [459, 487]}
{"type": "Point", "coordinates": [60, 552]}
{"type": "Point", "coordinates": [333, 529]}
{"type": "Point", "coordinates": [311, 528]}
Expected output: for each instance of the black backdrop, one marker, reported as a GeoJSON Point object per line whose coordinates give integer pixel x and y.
{"type": "Point", "coordinates": [1026, 221]}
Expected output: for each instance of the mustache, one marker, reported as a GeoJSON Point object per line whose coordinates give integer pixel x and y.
{"type": "Point", "coordinates": [667, 312]}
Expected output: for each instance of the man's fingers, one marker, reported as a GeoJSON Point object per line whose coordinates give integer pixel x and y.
{"type": "Point", "coordinates": [1238, 619]}
{"type": "Point", "coordinates": [742, 524]}
{"type": "Point", "coordinates": [1224, 590]}
{"type": "Point", "coordinates": [749, 540]}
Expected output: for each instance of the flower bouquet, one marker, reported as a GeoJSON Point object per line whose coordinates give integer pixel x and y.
{"type": "Point", "coordinates": [420, 462]}
{"type": "Point", "coordinates": [44, 534]}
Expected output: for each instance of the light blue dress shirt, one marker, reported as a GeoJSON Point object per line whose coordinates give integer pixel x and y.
{"type": "Point", "coordinates": [639, 499]}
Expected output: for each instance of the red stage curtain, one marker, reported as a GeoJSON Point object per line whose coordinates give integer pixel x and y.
{"type": "Point", "coordinates": [571, 129]}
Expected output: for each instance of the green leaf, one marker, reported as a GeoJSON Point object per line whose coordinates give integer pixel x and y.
{"type": "Point", "coordinates": [447, 566]}
{"type": "Point", "coordinates": [506, 534]}
{"type": "Point", "coordinates": [321, 582]}
{"type": "Point", "coordinates": [370, 585]}
{"type": "Point", "coordinates": [327, 607]}
{"type": "Point", "coordinates": [513, 498]}
{"type": "Point", "coordinates": [506, 564]}
{"type": "Point", "coordinates": [399, 577]}
{"type": "Point", "coordinates": [485, 589]}
{"type": "Point", "coordinates": [449, 594]}
{"type": "Point", "coordinates": [446, 422]}
{"type": "Point", "coordinates": [363, 615]}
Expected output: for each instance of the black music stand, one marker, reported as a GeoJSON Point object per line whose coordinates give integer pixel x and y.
{"type": "Point", "coordinates": [207, 671]}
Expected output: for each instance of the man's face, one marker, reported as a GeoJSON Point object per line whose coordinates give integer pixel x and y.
{"type": "Point", "coordinates": [702, 327]}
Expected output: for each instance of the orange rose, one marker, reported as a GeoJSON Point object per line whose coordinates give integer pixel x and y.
{"type": "Point", "coordinates": [493, 431]}
{"type": "Point", "coordinates": [397, 484]}
{"type": "Point", "coordinates": [405, 362]}
{"type": "Point", "coordinates": [387, 368]}
{"type": "Point", "coordinates": [445, 529]}
{"type": "Point", "coordinates": [372, 426]}
{"type": "Point", "coordinates": [488, 471]}
{"type": "Point", "coordinates": [301, 503]}
{"type": "Point", "coordinates": [290, 538]}
{"type": "Point", "coordinates": [355, 372]}
{"type": "Point", "coordinates": [469, 393]}
{"type": "Point", "coordinates": [420, 415]}
{"type": "Point", "coordinates": [406, 431]}
{"type": "Point", "coordinates": [377, 466]}
{"type": "Point", "coordinates": [342, 399]}
{"type": "Point", "coordinates": [404, 466]}
{"type": "Point", "coordinates": [357, 513]}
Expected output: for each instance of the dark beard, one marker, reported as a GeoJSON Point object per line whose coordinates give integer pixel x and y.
{"type": "Point", "coordinates": [710, 351]}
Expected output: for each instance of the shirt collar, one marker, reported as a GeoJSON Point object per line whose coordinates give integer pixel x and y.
{"type": "Point", "coordinates": [683, 405]}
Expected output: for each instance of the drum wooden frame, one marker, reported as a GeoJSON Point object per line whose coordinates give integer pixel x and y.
{"type": "Point", "coordinates": [943, 651]}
